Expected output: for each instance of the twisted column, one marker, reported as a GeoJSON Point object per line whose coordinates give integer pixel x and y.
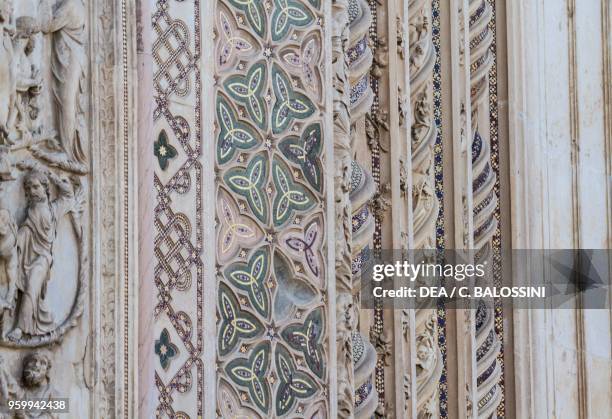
{"type": "Point", "coordinates": [363, 188]}
{"type": "Point", "coordinates": [422, 58]}
{"type": "Point", "coordinates": [485, 203]}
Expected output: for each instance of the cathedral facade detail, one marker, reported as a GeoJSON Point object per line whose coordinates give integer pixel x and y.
{"type": "Point", "coordinates": [193, 193]}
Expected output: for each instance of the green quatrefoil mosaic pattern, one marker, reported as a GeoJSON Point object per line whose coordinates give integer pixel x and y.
{"type": "Point", "coordinates": [270, 219]}
{"type": "Point", "coordinates": [288, 13]}
{"type": "Point", "coordinates": [305, 151]}
{"type": "Point", "coordinates": [255, 13]}
{"type": "Point", "coordinates": [250, 183]}
{"type": "Point", "coordinates": [252, 373]}
{"type": "Point", "coordinates": [290, 104]}
{"type": "Point", "coordinates": [307, 338]}
{"type": "Point", "coordinates": [236, 324]}
{"type": "Point", "coordinates": [165, 349]}
{"type": "Point", "coordinates": [290, 195]}
{"type": "Point", "coordinates": [163, 150]}
{"type": "Point", "coordinates": [294, 384]}
{"type": "Point", "coordinates": [248, 91]}
{"type": "Point", "coordinates": [250, 277]}
{"type": "Point", "coordinates": [233, 133]}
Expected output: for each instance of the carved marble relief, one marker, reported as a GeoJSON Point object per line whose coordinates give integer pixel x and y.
{"type": "Point", "coordinates": [34, 382]}
{"type": "Point", "coordinates": [44, 193]}
{"type": "Point", "coordinates": [272, 317]}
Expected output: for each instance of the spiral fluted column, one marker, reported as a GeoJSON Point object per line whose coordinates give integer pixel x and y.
{"type": "Point", "coordinates": [363, 188]}
{"type": "Point", "coordinates": [422, 58]}
{"type": "Point", "coordinates": [485, 203]}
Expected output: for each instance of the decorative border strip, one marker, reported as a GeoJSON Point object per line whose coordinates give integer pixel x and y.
{"type": "Point", "coordinates": [126, 207]}
{"type": "Point", "coordinates": [439, 176]}
{"type": "Point", "coordinates": [176, 221]}
{"type": "Point", "coordinates": [378, 312]}
{"type": "Point", "coordinates": [497, 237]}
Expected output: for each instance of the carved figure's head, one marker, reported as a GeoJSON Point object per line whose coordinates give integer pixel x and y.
{"type": "Point", "coordinates": [26, 26]}
{"type": "Point", "coordinates": [36, 367]}
{"type": "Point", "coordinates": [36, 185]}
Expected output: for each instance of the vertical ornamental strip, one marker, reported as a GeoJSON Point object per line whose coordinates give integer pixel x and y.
{"type": "Point", "coordinates": [362, 189]}
{"type": "Point", "coordinates": [485, 204]}
{"type": "Point", "coordinates": [271, 244]}
{"type": "Point", "coordinates": [178, 179]}
{"type": "Point", "coordinates": [346, 316]}
{"type": "Point", "coordinates": [463, 202]}
{"type": "Point", "coordinates": [422, 58]}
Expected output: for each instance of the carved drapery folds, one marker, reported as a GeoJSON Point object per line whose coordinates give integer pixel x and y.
{"type": "Point", "coordinates": [421, 61]}
{"type": "Point", "coordinates": [44, 192]}
{"type": "Point", "coordinates": [485, 204]}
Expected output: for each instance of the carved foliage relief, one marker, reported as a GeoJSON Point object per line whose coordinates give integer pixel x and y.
{"type": "Point", "coordinates": [44, 196]}
{"type": "Point", "coordinates": [178, 213]}
{"type": "Point", "coordinates": [271, 312]}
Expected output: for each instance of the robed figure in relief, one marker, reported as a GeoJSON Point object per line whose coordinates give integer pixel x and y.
{"type": "Point", "coordinates": [36, 237]}
{"type": "Point", "coordinates": [65, 21]}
